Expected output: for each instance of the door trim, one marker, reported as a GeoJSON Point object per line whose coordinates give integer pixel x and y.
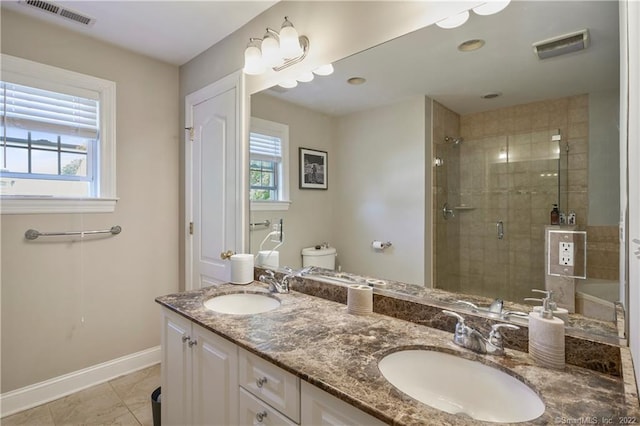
{"type": "Point", "coordinates": [235, 80]}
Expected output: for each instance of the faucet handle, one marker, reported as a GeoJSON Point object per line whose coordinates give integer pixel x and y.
{"type": "Point", "coordinates": [460, 327]}
{"type": "Point", "coordinates": [474, 308]}
{"type": "Point", "coordinates": [455, 315]}
{"type": "Point", "coordinates": [495, 337]}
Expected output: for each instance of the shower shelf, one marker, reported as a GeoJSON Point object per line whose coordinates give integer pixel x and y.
{"type": "Point", "coordinates": [464, 208]}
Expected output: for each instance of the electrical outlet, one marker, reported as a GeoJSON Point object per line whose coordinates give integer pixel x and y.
{"type": "Point", "coordinates": [566, 254]}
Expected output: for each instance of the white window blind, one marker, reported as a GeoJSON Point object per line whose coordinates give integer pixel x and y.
{"type": "Point", "coordinates": [264, 147]}
{"type": "Point", "coordinates": [36, 109]}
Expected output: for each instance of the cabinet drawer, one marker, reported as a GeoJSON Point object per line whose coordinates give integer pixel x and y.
{"type": "Point", "coordinates": [255, 412]}
{"type": "Point", "coordinates": [321, 408]}
{"type": "Point", "coordinates": [271, 384]}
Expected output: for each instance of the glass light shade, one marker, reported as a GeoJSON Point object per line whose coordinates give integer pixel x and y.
{"type": "Point", "coordinates": [324, 70]}
{"type": "Point", "coordinates": [253, 64]}
{"type": "Point", "coordinates": [491, 7]}
{"type": "Point", "coordinates": [289, 43]}
{"type": "Point", "coordinates": [454, 21]}
{"type": "Point", "coordinates": [288, 84]}
{"type": "Point", "coordinates": [271, 51]}
{"type": "Point", "coordinates": [305, 77]}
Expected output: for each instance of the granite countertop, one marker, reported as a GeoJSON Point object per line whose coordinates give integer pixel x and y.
{"type": "Point", "coordinates": [318, 341]}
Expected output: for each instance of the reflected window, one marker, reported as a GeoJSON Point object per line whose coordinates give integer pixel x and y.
{"type": "Point", "coordinates": [268, 157]}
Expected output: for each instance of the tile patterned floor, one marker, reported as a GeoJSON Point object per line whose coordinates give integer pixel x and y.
{"type": "Point", "coordinates": [122, 401]}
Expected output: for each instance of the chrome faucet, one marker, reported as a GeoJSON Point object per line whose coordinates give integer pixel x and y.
{"type": "Point", "coordinates": [472, 339]}
{"type": "Point", "coordinates": [276, 286]}
{"type": "Point", "coordinates": [494, 308]}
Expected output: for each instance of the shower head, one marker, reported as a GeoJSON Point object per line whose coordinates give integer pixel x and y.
{"type": "Point", "coordinates": [454, 141]}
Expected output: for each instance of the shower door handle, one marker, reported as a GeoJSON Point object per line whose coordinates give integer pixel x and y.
{"type": "Point", "coordinates": [447, 212]}
{"type": "Point", "coordinates": [500, 229]}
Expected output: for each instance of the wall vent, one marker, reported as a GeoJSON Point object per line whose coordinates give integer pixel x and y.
{"type": "Point", "coordinates": [562, 45]}
{"type": "Point", "coordinates": [54, 9]}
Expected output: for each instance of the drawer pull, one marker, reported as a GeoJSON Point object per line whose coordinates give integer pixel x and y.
{"type": "Point", "coordinates": [260, 382]}
{"type": "Point", "coordinates": [261, 416]}
{"type": "Point", "coordinates": [185, 338]}
{"type": "Point", "coordinates": [192, 342]}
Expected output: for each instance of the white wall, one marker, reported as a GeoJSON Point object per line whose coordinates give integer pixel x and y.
{"type": "Point", "coordinates": [308, 220]}
{"type": "Point", "coordinates": [380, 156]}
{"type": "Point", "coordinates": [70, 305]}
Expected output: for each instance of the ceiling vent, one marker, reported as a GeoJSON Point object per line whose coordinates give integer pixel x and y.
{"type": "Point", "coordinates": [562, 45]}
{"type": "Point", "coordinates": [54, 9]}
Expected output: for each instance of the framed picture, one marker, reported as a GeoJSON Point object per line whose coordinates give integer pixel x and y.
{"type": "Point", "coordinates": [313, 169]}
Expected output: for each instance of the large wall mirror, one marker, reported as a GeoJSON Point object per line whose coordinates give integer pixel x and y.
{"type": "Point", "coordinates": [454, 149]}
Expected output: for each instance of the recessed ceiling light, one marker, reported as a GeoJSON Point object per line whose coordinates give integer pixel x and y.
{"type": "Point", "coordinates": [491, 95]}
{"type": "Point", "coordinates": [470, 45]}
{"type": "Point", "coordinates": [356, 80]}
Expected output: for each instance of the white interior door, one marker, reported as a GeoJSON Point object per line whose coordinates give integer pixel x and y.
{"type": "Point", "coordinates": [216, 205]}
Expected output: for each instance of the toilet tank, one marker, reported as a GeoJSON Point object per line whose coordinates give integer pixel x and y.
{"type": "Point", "coordinates": [321, 257]}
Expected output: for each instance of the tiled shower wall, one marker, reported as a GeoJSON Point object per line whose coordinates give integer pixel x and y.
{"type": "Point", "coordinates": [505, 170]}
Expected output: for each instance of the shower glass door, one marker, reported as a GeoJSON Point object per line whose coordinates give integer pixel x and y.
{"type": "Point", "coordinates": [499, 191]}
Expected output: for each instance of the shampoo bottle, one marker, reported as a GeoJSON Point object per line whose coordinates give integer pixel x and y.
{"type": "Point", "coordinates": [546, 338]}
{"type": "Point", "coordinates": [555, 215]}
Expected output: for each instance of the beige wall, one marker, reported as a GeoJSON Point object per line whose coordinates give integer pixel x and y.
{"type": "Point", "coordinates": [380, 168]}
{"type": "Point", "coordinates": [70, 305]}
{"type": "Point", "coordinates": [376, 188]}
{"type": "Point", "coordinates": [308, 220]}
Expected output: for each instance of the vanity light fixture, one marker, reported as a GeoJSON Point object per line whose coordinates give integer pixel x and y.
{"type": "Point", "coordinates": [305, 77]}
{"type": "Point", "coordinates": [324, 70]}
{"type": "Point", "coordinates": [454, 21]}
{"type": "Point", "coordinates": [488, 8]}
{"type": "Point", "coordinates": [491, 7]}
{"type": "Point", "coordinates": [275, 50]}
{"type": "Point", "coordinates": [288, 84]}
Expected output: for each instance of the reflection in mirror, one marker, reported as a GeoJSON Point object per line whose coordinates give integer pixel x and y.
{"type": "Point", "coordinates": [457, 156]}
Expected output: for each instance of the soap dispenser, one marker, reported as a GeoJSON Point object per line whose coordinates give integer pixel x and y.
{"type": "Point", "coordinates": [546, 337]}
{"type": "Point", "coordinates": [557, 311]}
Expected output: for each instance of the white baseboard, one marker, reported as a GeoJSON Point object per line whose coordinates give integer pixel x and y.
{"type": "Point", "coordinates": [52, 389]}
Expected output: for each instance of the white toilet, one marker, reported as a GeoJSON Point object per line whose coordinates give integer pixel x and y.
{"type": "Point", "coordinates": [323, 257]}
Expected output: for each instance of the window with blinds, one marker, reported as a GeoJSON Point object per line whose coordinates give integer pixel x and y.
{"type": "Point", "coordinates": [48, 142]}
{"type": "Point", "coordinates": [57, 140]}
{"type": "Point", "coordinates": [268, 154]}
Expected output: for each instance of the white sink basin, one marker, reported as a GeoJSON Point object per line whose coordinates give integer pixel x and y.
{"type": "Point", "coordinates": [242, 303]}
{"type": "Point", "coordinates": [457, 385]}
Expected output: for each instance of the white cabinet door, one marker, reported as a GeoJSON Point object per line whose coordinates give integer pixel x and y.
{"type": "Point", "coordinates": [175, 369]}
{"type": "Point", "coordinates": [215, 379]}
{"type": "Point", "coordinates": [321, 408]}
{"type": "Point", "coordinates": [199, 375]}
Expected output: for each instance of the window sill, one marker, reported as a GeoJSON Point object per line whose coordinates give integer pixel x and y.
{"type": "Point", "coordinates": [45, 205]}
{"type": "Point", "coordinates": [258, 206]}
